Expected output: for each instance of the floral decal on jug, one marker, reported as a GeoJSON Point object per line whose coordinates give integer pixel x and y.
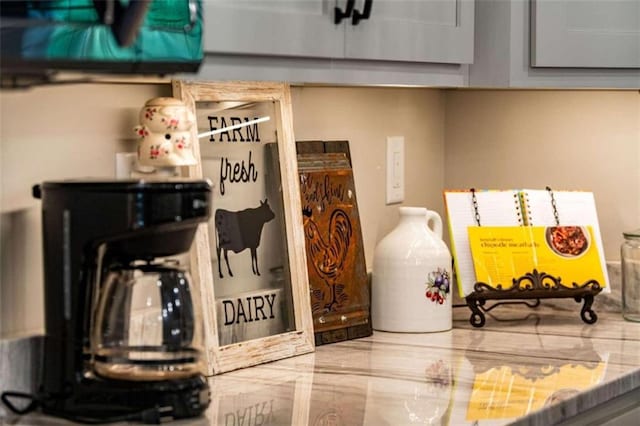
{"type": "Point", "coordinates": [438, 285]}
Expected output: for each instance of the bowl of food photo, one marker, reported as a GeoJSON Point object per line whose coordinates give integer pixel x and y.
{"type": "Point", "coordinates": [568, 241]}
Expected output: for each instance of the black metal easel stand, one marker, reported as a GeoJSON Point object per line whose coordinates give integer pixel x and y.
{"type": "Point", "coordinates": [532, 286]}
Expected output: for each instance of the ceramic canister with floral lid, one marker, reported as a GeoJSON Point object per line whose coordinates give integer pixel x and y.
{"type": "Point", "coordinates": [411, 278]}
{"type": "Point", "coordinates": [165, 133]}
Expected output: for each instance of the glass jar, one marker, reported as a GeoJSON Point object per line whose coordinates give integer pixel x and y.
{"type": "Point", "coordinates": [630, 255]}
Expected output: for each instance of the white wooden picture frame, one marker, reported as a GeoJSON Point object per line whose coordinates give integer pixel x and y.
{"type": "Point", "coordinates": [249, 260]}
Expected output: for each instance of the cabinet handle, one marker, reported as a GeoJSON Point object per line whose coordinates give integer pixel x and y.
{"type": "Point", "coordinates": [366, 12]}
{"type": "Point", "coordinates": [340, 15]}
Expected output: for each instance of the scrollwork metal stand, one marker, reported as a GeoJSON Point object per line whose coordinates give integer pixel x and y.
{"type": "Point", "coordinates": [533, 285]}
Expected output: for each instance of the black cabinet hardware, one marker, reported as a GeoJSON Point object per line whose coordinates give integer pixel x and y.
{"type": "Point", "coordinates": [366, 12]}
{"type": "Point", "coordinates": [340, 15]}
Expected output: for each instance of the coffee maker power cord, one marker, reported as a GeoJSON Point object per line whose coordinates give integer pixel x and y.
{"type": "Point", "coordinates": [154, 415]}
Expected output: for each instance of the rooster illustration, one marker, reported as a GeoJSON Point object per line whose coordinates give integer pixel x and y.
{"type": "Point", "coordinates": [328, 256]}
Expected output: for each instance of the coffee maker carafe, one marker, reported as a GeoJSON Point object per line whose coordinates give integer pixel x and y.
{"type": "Point", "coordinates": [123, 326]}
{"type": "Point", "coordinates": [145, 326]}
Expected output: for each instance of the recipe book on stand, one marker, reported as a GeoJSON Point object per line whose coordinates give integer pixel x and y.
{"type": "Point", "coordinates": [500, 235]}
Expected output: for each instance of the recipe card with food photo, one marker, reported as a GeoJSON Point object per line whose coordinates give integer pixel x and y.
{"type": "Point", "coordinates": [466, 208]}
{"type": "Point", "coordinates": [501, 235]}
{"type": "Point", "coordinates": [544, 207]}
{"type": "Point", "coordinates": [565, 252]}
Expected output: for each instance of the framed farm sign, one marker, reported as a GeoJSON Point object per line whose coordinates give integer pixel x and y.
{"type": "Point", "coordinates": [249, 259]}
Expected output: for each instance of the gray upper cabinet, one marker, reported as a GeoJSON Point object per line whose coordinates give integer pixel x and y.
{"type": "Point", "coordinates": [272, 27]}
{"type": "Point", "coordinates": [586, 34]}
{"type": "Point", "coordinates": [426, 42]}
{"type": "Point", "coordinates": [557, 44]}
{"type": "Point", "coordinates": [392, 30]}
{"type": "Point", "coordinates": [421, 31]}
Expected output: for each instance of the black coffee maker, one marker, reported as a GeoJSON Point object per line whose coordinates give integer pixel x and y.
{"type": "Point", "coordinates": [123, 327]}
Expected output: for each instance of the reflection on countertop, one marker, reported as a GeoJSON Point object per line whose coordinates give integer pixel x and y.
{"type": "Point", "coordinates": [531, 366]}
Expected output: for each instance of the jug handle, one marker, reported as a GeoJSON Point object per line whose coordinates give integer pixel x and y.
{"type": "Point", "coordinates": [434, 221]}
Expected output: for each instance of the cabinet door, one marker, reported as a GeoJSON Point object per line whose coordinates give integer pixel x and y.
{"type": "Point", "coordinates": [411, 30]}
{"type": "Point", "coordinates": [273, 27]}
{"type": "Point", "coordinates": [585, 33]}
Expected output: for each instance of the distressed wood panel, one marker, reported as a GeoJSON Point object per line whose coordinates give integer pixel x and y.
{"type": "Point", "coordinates": [222, 358]}
{"type": "Point", "coordinates": [339, 291]}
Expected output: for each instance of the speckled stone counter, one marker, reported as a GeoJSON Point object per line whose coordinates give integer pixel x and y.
{"type": "Point", "coordinates": [526, 366]}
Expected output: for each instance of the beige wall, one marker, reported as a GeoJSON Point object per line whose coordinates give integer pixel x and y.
{"type": "Point", "coordinates": [365, 117]}
{"type": "Point", "coordinates": [74, 132]}
{"type": "Point", "coordinates": [57, 132]}
{"type": "Point", "coordinates": [583, 140]}
{"type": "Point", "coordinates": [454, 139]}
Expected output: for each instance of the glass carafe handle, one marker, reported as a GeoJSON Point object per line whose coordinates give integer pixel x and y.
{"type": "Point", "coordinates": [177, 309]}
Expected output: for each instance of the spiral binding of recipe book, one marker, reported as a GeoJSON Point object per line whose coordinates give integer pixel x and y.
{"type": "Point", "coordinates": [539, 207]}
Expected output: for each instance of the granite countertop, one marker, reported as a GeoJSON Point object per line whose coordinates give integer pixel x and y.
{"type": "Point", "coordinates": [528, 366]}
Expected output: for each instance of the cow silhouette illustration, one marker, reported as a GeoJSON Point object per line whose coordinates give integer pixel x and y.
{"type": "Point", "coordinates": [241, 230]}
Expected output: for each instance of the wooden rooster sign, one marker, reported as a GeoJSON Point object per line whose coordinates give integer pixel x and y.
{"type": "Point", "coordinates": [339, 294]}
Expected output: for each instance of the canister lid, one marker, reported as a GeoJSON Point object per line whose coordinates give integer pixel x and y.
{"type": "Point", "coordinates": [632, 234]}
{"type": "Point", "coordinates": [164, 101]}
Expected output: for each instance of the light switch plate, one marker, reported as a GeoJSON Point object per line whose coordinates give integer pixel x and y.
{"type": "Point", "coordinates": [395, 169]}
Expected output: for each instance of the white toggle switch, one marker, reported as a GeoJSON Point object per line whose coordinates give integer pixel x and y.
{"type": "Point", "coordinates": [395, 169]}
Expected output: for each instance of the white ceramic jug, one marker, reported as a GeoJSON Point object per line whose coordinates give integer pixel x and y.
{"type": "Point", "coordinates": [411, 279]}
